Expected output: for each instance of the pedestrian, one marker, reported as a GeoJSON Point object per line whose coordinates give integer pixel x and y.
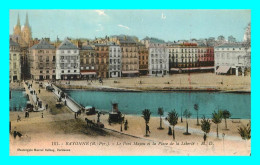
{"type": "Point", "coordinates": [46, 106]}
{"type": "Point", "coordinates": [18, 118]}
{"type": "Point", "coordinates": [65, 102]}
{"type": "Point", "coordinates": [205, 137]}
{"type": "Point", "coordinates": [42, 114]}
{"type": "Point", "coordinates": [39, 91]}
{"type": "Point", "coordinates": [75, 115]}
{"type": "Point", "coordinates": [126, 125]}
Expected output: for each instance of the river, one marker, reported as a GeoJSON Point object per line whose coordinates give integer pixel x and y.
{"type": "Point", "coordinates": [18, 100]}
{"type": "Point", "coordinates": [134, 102]}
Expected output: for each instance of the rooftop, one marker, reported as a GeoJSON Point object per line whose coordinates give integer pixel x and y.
{"type": "Point", "coordinates": [43, 44]}
{"type": "Point", "coordinates": [66, 44]}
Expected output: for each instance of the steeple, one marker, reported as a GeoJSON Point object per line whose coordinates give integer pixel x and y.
{"type": "Point", "coordinates": [27, 20]}
{"type": "Point", "coordinates": [18, 21]}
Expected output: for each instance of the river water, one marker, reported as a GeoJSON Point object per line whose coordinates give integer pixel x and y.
{"type": "Point", "coordinates": [134, 102]}
{"type": "Point", "coordinates": [18, 100]}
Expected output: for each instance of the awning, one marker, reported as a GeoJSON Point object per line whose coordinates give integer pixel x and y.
{"type": "Point", "coordinates": [189, 68]}
{"type": "Point", "coordinates": [223, 69]}
{"type": "Point", "coordinates": [130, 72]}
{"type": "Point", "coordinates": [210, 67]}
{"type": "Point", "coordinates": [88, 73]}
{"type": "Point", "coordinates": [175, 69]}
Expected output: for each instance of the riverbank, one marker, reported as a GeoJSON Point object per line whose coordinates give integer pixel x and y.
{"type": "Point", "coordinates": [202, 82]}
{"type": "Point", "coordinates": [55, 131]}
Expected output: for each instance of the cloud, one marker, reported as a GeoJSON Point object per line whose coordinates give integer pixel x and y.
{"type": "Point", "coordinates": [122, 26]}
{"type": "Point", "coordinates": [163, 16]}
{"type": "Point", "coordinates": [101, 12]}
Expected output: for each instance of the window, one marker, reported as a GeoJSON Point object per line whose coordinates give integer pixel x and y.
{"type": "Point", "coordinates": [68, 51]}
{"type": "Point", "coordinates": [62, 71]}
{"type": "Point", "coordinates": [40, 71]}
{"type": "Point", "coordinates": [75, 71]}
{"type": "Point", "coordinates": [47, 71]}
{"type": "Point", "coordinates": [68, 71]}
{"type": "Point", "coordinates": [53, 71]}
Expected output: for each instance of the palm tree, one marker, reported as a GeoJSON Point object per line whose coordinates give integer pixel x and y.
{"type": "Point", "coordinates": [226, 115]}
{"type": "Point", "coordinates": [196, 108]}
{"type": "Point", "coordinates": [173, 120]}
{"type": "Point", "coordinates": [245, 131]}
{"type": "Point", "coordinates": [205, 126]}
{"type": "Point", "coordinates": [187, 115]}
{"type": "Point", "coordinates": [160, 112]}
{"type": "Point", "coordinates": [217, 118]}
{"type": "Point", "coordinates": [146, 115]}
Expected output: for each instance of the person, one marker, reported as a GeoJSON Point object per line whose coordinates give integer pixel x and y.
{"type": "Point", "coordinates": [18, 118]}
{"type": "Point", "coordinates": [46, 106]}
{"type": "Point", "coordinates": [65, 102]}
{"type": "Point", "coordinates": [126, 125]}
{"type": "Point", "coordinates": [39, 91]}
{"type": "Point", "coordinates": [75, 115]}
{"type": "Point", "coordinates": [148, 128]}
{"type": "Point", "coordinates": [205, 137]}
{"type": "Point", "coordinates": [42, 114]}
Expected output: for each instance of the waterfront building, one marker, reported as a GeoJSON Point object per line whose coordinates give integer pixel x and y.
{"type": "Point", "coordinates": [158, 61]}
{"type": "Point", "coordinates": [115, 60]}
{"type": "Point", "coordinates": [42, 61]}
{"type": "Point", "coordinates": [206, 57]}
{"type": "Point", "coordinates": [14, 61]}
{"type": "Point", "coordinates": [231, 59]}
{"type": "Point", "coordinates": [143, 59]}
{"type": "Point", "coordinates": [183, 57]}
{"type": "Point", "coordinates": [102, 60]}
{"type": "Point", "coordinates": [87, 62]}
{"type": "Point", "coordinates": [67, 61]}
{"type": "Point", "coordinates": [130, 56]}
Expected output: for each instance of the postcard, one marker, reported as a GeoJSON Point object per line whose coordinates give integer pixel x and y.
{"type": "Point", "coordinates": [130, 82]}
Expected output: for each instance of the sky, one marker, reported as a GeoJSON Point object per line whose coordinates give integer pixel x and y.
{"type": "Point", "coordinates": [169, 25]}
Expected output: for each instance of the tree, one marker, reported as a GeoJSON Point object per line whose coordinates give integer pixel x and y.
{"type": "Point", "coordinates": [217, 118]}
{"type": "Point", "coordinates": [245, 131]}
{"type": "Point", "coordinates": [226, 115]}
{"type": "Point", "coordinates": [205, 126]}
{"type": "Point", "coordinates": [146, 115]}
{"type": "Point", "coordinates": [187, 115]}
{"type": "Point", "coordinates": [160, 112]}
{"type": "Point", "coordinates": [173, 120]}
{"type": "Point", "coordinates": [196, 108]}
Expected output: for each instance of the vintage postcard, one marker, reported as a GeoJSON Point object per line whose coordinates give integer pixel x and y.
{"type": "Point", "coordinates": [130, 82]}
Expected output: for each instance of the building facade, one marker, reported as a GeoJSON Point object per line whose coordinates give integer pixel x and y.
{"type": "Point", "coordinates": [102, 60]}
{"type": "Point", "coordinates": [42, 57]}
{"type": "Point", "coordinates": [67, 61]}
{"type": "Point", "coordinates": [158, 62]}
{"type": "Point", "coordinates": [14, 61]}
{"type": "Point", "coordinates": [231, 59]}
{"type": "Point", "coordinates": [183, 57]}
{"type": "Point", "coordinates": [130, 56]}
{"type": "Point", "coordinates": [115, 60]}
{"type": "Point", "coordinates": [143, 59]}
{"type": "Point", "coordinates": [87, 62]}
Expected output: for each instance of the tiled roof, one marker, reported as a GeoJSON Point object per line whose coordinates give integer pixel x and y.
{"type": "Point", "coordinates": [87, 47]}
{"type": "Point", "coordinates": [66, 44]}
{"type": "Point", "coordinates": [43, 45]}
{"type": "Point", "coordinates": [12, 43]}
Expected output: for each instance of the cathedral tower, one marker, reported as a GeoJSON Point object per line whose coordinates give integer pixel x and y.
{"type": "Point", "coordinates": [26, 31]}
{"type": "Point", "coordinates": [17, 28]}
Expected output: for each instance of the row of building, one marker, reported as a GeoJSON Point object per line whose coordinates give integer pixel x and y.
{"type": "Point", "coordinates": [121, 56]}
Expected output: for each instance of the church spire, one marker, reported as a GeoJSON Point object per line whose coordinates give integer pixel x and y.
{"type": "Point", "coordinates": [18, 21]}
{"type": "Point", "coordinates": [27, 20]}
